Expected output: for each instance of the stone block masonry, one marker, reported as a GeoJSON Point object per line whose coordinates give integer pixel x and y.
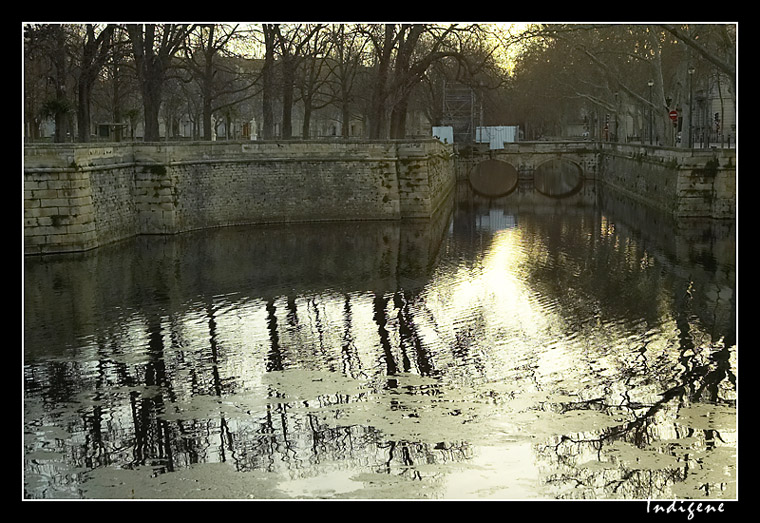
{"type": "Point", "coordinates": [683, 183]}
{"type": "Point", "coordinates": [58, 210]}
{"type": "Point", "coordinates": [78, 197]}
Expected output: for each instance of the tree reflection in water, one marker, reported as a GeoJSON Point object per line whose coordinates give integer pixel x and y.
{"type": "Point", "coordinates": [237, 363]}
{"type": "Point", "coordinates": [636, 459]}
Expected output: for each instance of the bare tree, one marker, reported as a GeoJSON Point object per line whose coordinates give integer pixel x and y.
{"type": "Point", "coordinates": [383, 42]}
{"type": "Point", "coordinates": [403, 55]}
{"type": "Point", "coordinates": [720, 50]}
{"type": "Point", "coordinates": [49, 46]}
{"type": "Point", "coordinates": [154, 47]}
{"type": "Point", "coordinates": [201, 58]}
{"type": "Point", "coordinates": [118, 79]}
{"type": "Point", "coordinates": [313, 78]}
{"type": "Point", "coordinates": [268, 80]}
{"type": "Point", "coordinates": [93, 58]}
{"type": "Point", "coordinates": [347, 48]}
{"type": "Point", "coordinates": [639, 71]}
{"type": "Point", "coordinates": [291, 46]}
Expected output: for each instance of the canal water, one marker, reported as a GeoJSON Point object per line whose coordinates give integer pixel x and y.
{"type": "Point", "coordinates": [522, 347]}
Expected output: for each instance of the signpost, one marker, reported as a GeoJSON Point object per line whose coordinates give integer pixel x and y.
{"type": "Point", "coordinates": [674, 117]}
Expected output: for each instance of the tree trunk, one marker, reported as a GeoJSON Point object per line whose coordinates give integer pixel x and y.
{"type": "Point", "coordinates": [61, 127]}
{"type": "Point", "coordinates": [345, 129]}
{"type": "Point", "coordinates": [398, 119]}
{"type": "Point", "coordinates": [287, 99]}
{"type": "Point", "coordinates": [287, 112]}
{"type": "Point", "coordinates": [94, 57]}
{"type": "Point", "coordinates": [207, 130]}
{"type": "Point", "coordinates": [305, 130]}
{"type": "Point", "coordinates": [267, 102]}
{"type": "Point", "coordinates": [267, 99]}
{"type": "Point", "coordinates": [152, 65]}
{"type": "Point", "coordinates": [377, 119]}
{"type": "Point", "coordinates": [83, 110]}
{"type": "Point", "coordinates": [207, 89]}
{"type": "Point", "coordinates": [152, 106]}
{"type": "Point", "coordinates": [116, 100]}
{"type": "Point", "coordinates": [118, 131]}
{"type": "Point", "coordinates": [61, 71]}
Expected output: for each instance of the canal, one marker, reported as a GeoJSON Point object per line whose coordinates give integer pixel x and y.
{"type": "Point", "coordinates": [522, 347]}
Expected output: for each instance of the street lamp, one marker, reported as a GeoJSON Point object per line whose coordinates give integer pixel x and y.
{"type": "Point", "coordinates": [691, 73]}
{"type": "Point", "coordinates": [650, 83]}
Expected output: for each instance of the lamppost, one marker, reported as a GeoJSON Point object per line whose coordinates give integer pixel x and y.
{"type": "Point", "coordinates": [691, 73]}
{"type": "Point", "coordinates": [650, 83]}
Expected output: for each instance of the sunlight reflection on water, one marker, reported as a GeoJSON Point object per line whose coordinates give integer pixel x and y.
{"type": "Point", "coordinates": [502, 351]}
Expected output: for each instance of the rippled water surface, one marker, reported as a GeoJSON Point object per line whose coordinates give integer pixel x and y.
{"type": "Point", "coordinates": [518, 348]}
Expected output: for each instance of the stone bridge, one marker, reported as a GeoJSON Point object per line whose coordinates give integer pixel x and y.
{"type": "Point", "coordinates": [683, 182]}
{"type": "Point", "coordinates": [556, 169]}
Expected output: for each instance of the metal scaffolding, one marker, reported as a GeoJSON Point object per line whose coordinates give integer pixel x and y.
{"type": "Point", "coordinates": [459, 110]}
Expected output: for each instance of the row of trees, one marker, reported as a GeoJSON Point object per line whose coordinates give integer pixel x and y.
{"type": "Point", "coordinates": [557, 74]}
{"type": "Point", "coordinates": [633, 72]}
{"type": "Point", "coordinates": [377, 70]}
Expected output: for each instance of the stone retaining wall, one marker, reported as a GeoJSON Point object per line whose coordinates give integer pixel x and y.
{"type": "Point", "coordinates": [684, 183]}
{"type": "Point", "coordinates": [80, 197]}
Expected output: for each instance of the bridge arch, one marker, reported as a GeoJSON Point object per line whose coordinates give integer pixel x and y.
{"type": "Point", "coordinates": [558, 177]}
{"type": "Point", "coordinates": [493, 178]}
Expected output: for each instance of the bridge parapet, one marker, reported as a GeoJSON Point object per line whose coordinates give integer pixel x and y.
{"type": "Point", "coordinates": [526, 157]}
